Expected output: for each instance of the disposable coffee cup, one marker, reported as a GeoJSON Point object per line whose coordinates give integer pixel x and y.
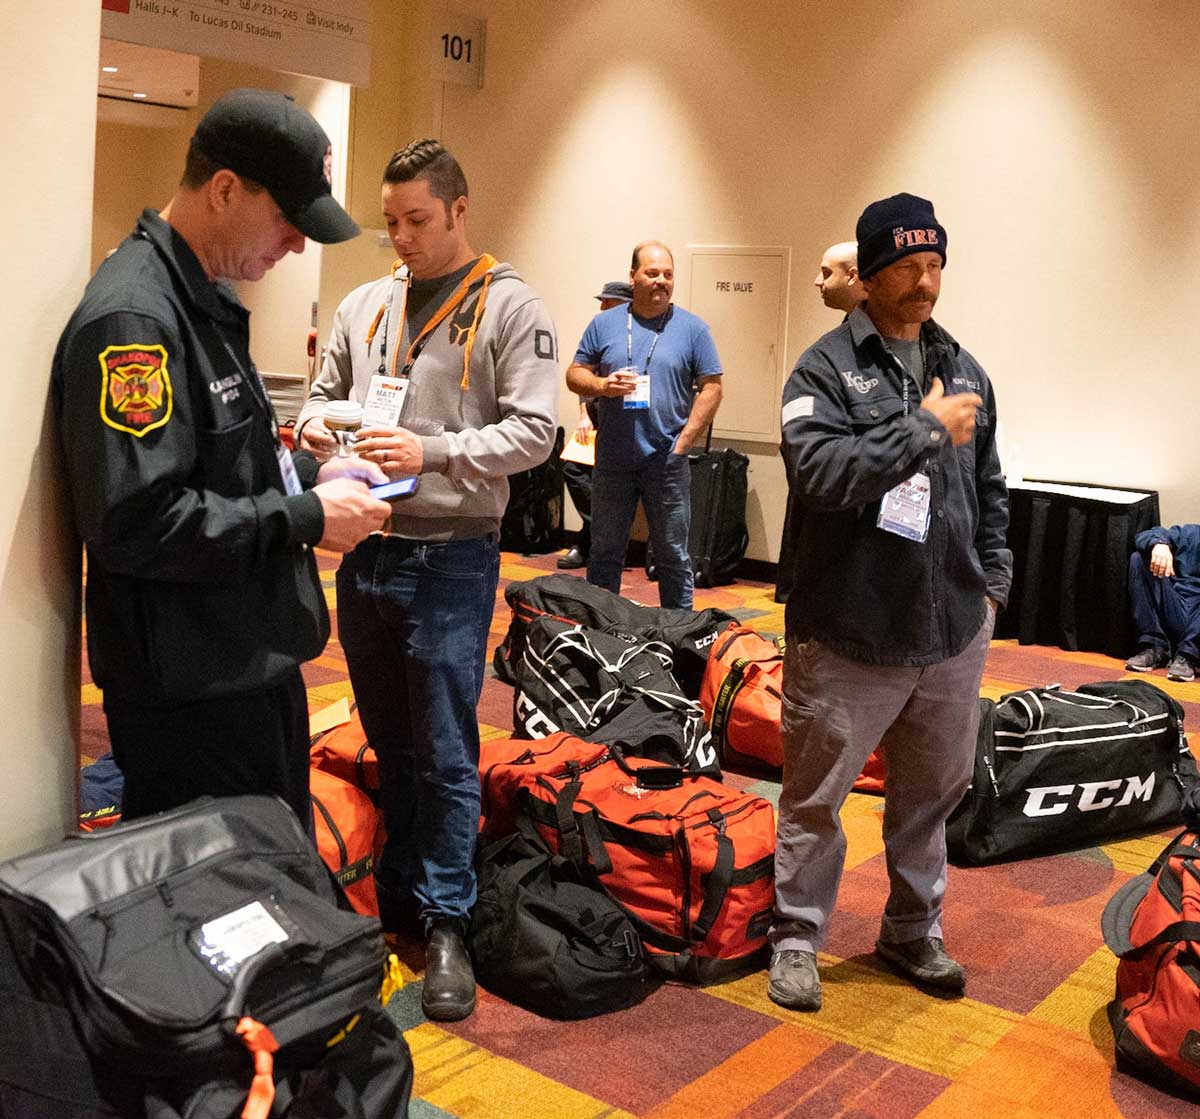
{"type": "Point", "coordinates": [343, 418]}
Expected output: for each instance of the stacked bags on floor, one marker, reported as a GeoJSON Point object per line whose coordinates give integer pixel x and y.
{"type": "Point", "coordinates": [613, 782]}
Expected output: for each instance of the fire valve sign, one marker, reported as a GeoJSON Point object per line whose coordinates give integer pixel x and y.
{"type": "Point", "coordinates": [330, 41]}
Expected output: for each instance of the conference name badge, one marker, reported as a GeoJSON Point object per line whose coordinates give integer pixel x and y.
{"type": "Point", "coordinates": [385, 401]}
{"type": "Point", "coordinates": [904, 509]}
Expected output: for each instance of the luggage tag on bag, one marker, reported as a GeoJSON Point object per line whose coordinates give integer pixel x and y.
{"type": "Point", "coordinates": [228, 941]}
{"type": "Point", "coordinates": [385, 401]}
{"type": "Point", "coordinates": [291, 480]}
{"type": "Point", "coordinates": [904, 509]}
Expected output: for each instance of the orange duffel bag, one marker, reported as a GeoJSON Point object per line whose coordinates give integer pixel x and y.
{"type": "Point", "coordinates": [345, 752]}
{"type": "Point", "coordinates": [347, 832]}
{"type": "Point", "coordinates": [691, 861]}
{"type": "Point", "coordinates": [742, 697]}
{"type": "Point", "coordinates": [506, 765]}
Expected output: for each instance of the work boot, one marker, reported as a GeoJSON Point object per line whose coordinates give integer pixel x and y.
{"type": "Point", "coordinates": [1181, 669]}
{"type": "Point", "coordinates": [448, 994]}
{"type": "Point", "coordinates": [1147, 660]}
{"type": "Point", "coordinates": [794, 980]}
{"type": "Point", "coordinates": [573, 559]}
{"type": "Point", "coordinates": [923, 961]}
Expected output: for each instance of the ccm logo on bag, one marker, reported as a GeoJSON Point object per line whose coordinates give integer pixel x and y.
{"type": "Point", "coordinates": [1092, 796]}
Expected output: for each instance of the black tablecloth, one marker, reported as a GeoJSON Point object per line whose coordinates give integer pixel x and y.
{"type": "Point", "coordinates": [1071, 565]}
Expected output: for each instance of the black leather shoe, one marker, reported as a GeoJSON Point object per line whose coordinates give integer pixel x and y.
{"type": "Point", "coordinates": [448, 994]}
{"type": "Point", "coordinates": [573, 559]}
{"type": "Point", "coordinates": [925, 962]}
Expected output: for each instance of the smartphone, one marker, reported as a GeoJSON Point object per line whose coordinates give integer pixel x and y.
{"type": "Point", "coordinates": [393, 491]}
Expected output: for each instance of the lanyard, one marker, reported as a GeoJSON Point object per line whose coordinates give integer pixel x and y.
{"type": "Point", "coordinates": [662, 322]}
{"type": "Point", "coordinates": [258, 391]}
{"type": "Point", "coordinates": [905, 376]}
{"type": "Point", "coordinates": [402, 276]}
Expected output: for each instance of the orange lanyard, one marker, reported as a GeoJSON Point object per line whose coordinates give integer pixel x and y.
{"type": "Point", "coordinates": [484, 264]}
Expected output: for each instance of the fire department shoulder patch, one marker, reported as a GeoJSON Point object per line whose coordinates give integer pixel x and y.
{"type": "Point", "coordinates": [135, 392]}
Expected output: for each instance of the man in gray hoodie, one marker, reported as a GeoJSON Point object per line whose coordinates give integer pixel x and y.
{"type": "Point", "coordinates": [454, 359]}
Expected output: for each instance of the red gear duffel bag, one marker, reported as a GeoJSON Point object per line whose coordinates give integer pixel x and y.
{"type": "Point", "coordinates": [742, 697]}
{"type": "Point", "coordinates": [345, 752]}
{"type": "Point", "coordinates": [1152, 924]}
{"type": "Point", "coordinates": [507, 765]}
{"type": "Point", "coordinates": [347, 832]}
{"type": "Point", "coordinates": [691, 861]}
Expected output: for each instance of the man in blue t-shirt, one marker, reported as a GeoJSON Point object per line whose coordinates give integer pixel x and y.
{"type": "Point", "coordinates": [654, 372]}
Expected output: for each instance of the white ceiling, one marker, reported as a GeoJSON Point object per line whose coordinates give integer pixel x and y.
{"type": "Point", "coordinates": [165, 77]}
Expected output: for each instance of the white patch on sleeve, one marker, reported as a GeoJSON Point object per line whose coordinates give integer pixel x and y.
{"type": "Point", "coordinates": [794, 409]}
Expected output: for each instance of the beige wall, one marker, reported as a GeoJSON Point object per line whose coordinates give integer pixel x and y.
{"type": "Point", "coordinates": [49, 84]}
{"type": "Point", "coordinates": [138, 167]}
{"type": "Point", "coordinates": [1058, 141]}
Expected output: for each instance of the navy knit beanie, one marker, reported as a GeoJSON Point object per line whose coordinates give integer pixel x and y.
{"type": "Point", "coordinates": [895, 227]}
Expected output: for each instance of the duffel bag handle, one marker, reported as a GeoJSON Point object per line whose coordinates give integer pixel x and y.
{"type": "Point", "coordinates": [649, 777]}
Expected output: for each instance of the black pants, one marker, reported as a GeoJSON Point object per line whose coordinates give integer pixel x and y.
{"type": "Point", "coordinates": [253, 742]}
{"type": "Point", "coordinates": [579, 485]}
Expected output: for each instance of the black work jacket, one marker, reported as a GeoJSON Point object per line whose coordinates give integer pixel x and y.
{"type": "Point", "coordinates": [869, 594]}
{"type": "Point", "coordinates": [201, 580]}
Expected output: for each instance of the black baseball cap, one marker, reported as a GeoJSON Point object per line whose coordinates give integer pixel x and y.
{"type": "Point", "coordinates": [266, 137]}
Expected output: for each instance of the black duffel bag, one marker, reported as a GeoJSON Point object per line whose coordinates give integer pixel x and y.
{"type": "Point", "coordinates": [689, 634]}
{"type": "Point", "coordinates": [174, 942]}
{"type": "Point", "coordinates": [605, 687]}
{"type": "Point", "coordinates": [545, 938]}
{"type": "Point", "coordinates": [1056, 769]}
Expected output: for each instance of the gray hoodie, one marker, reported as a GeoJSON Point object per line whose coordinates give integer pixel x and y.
{"type": "Point", "coordinates": [477, 424]}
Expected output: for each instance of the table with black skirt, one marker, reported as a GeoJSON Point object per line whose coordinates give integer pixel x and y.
{"type": "Point", "coordinates": [1071, 544]}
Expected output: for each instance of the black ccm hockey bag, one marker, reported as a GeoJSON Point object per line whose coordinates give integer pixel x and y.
{"type": "Point", "coordinates": [605, 687]}
{"type": "Point", "coordinates": [204, 964]}
{"type": "Point", "coordinates": [689, 634]}
{"type": "Point", "coordinates": [1056, 769]}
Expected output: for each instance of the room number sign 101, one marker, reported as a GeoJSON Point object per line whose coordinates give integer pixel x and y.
{"type": "Point", "coordinates": [457, 51]}
{"type": "Point", "coordinates": [456, 48]}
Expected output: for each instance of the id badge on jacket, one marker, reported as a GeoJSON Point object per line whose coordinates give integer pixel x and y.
{"type": "Point", "coordinates": [904, 509]}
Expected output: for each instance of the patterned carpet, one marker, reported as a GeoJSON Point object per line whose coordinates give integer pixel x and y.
{"type": "Point", "coordinates": [1030, 1041]}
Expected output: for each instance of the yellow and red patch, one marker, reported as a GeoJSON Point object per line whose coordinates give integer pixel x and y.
{"type": "Point", "coordinates": [135, 393]}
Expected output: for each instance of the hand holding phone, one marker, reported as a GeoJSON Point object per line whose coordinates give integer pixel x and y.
{"type": "Point", "coordinates": [394, 490]}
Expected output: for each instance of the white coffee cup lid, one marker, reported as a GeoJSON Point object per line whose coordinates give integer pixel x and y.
{"type": "Point", "coordinates": [348, 413]}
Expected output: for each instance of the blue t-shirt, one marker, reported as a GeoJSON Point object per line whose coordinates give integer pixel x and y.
{"type": "Point", "coordinates": [684, 351]}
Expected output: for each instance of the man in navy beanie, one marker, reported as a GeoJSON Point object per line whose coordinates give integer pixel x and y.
{"type": "Point", "coordinates": [900, 565]}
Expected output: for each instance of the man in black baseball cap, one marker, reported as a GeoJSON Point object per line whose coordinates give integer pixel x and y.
{"type": "Point", "coordinates": [203, 597]}
{"type": "Point", "coordinates": [267, 138]}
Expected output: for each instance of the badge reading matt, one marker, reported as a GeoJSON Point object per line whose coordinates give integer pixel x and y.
{"type": "Point", "coordinates": [135, 392]}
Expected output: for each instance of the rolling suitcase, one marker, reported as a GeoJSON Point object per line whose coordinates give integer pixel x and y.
{"type": "Point", "coordinates": [718, 537]}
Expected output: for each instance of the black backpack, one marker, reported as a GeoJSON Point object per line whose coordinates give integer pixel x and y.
{"type": "Point", "coordinates": [545, 938]}
{"type": "Point", "coordinates": [1057, 769]}
{"type": "Point", "coordinates": [533, 518]}
{"type": "Point", "coordinates": [170, 939]}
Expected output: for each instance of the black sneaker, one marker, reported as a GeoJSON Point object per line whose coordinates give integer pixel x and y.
{"type": "Point", "coordinates": [1146, 661]}
{"type": "Point", "coordinates": [924, 961]}
{"type": "Point", "coordinates": [794, 980]}
{"type": "Point", "coordinates": [1181, 669]}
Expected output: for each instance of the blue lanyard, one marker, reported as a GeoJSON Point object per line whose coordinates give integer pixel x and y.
{"type": "Point", "coordinates": [662, 322]}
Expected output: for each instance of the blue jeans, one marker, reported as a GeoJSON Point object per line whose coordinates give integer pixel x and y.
{"type": "Point", "coordinates": [413, 619]}
{"type": "Point", "coordinates": [664, 483]}
{"type": "Point", "coordinates": [1164, 619]}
